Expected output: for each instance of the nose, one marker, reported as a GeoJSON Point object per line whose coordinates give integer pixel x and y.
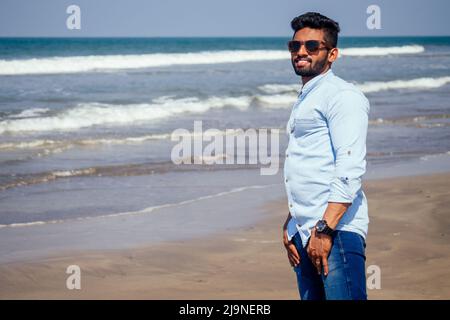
{"type": "Point", "coordinates": [302, 51]}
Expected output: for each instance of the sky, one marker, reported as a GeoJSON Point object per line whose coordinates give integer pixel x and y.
{"type": "Point", "coordinates": [216, 18]}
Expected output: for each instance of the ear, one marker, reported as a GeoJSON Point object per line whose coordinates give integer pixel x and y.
{"type": "Point", "coordinates": [333, 54]}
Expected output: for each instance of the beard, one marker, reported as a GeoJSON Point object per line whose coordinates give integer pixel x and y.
{"type": "Point", "coordinates": [312, 70]}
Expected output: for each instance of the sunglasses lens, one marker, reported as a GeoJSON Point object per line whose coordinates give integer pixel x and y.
{"type": "Point", "coordinates": [294, 46]}
{"type": "Point", "coordinates": [312, 45]}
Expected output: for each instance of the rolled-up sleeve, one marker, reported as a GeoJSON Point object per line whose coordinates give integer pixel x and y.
{"type": "Point", "coordinates": [347, 119]}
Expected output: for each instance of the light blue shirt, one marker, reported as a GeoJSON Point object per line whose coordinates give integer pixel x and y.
{"type": "Point", "coordinates": [325, 157]}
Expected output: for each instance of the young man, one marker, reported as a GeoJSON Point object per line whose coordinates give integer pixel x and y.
{"type": "Point", "coordinates": [326, 227]}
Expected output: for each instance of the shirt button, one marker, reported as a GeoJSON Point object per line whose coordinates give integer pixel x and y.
{"type": "Point", "coordinates": [287, 155]}
{"type": "Point", "coordinates": [286, 180]}
{"type": "Point", "coordinates": [290, 205]}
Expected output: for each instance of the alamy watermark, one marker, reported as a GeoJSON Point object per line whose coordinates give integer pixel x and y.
{"type": "Point", "coordinates": [73, 21]}
{"type": "Point", "coordinates": [74, 280]}
{"type": "Point", "coordinates": [373, 282]}
{"type": "Point", "coordinates": [373, 277]}
{"type": "Point", "coordinates": [232, 146]}
{"type": "Point", "coordinates": [374, 19]}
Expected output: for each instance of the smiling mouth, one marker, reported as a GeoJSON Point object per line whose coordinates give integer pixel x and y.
{"type": "Point", "coordinates": [301, 62]}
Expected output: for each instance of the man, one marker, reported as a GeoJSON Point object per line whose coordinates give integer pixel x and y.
{"type": "Point", "coordinates": [324, 233]}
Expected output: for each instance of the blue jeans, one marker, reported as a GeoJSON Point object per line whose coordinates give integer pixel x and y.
{"type": "Point", "coordinates": [346, 279]}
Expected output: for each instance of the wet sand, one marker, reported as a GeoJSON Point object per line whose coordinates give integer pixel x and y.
{"type": "Point", "coordinates": [408, 239]}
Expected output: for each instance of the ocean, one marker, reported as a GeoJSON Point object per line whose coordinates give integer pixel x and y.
{"type": "Point", "coordinates": [85, 123]}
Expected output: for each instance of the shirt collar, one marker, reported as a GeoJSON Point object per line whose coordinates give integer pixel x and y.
{"type": "Point", "coordinates": [311, 84]}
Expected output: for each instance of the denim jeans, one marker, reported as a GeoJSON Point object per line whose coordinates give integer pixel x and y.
{"type": "Point", "coordinates": [346, 279]}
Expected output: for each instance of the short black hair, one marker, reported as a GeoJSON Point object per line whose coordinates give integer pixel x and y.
{"type": "Point", "coordinates": [315, 20]}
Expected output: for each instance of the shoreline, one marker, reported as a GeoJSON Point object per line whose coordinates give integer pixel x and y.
{"type": "Point", "coordinates": [408, 240]}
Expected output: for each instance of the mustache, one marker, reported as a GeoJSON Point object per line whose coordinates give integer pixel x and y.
{"type": "Point", "coordinates": [302, 59]}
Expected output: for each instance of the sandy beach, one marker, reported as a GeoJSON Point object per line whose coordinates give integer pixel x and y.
{"type": "Point", "coordinates": [408, 239]}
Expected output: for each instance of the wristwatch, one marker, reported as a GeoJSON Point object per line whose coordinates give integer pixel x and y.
{"type": "Point", "coordinates": [323, 228]}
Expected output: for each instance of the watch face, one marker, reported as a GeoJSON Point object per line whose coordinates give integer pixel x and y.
{"type": "Point", "coordinates": [321, 226]}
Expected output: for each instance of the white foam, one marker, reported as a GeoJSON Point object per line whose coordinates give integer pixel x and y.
{"type": "Point", "coordinates": [280, 88]}
{"type": "Point", "coordinates": [28, 144]}
{"type": "Point", "coordinates": [287, 91]}
{"type": "Point", "coordinates": [30, 113]}
{"type": "Point", "coordinates": [277, 101]}
{"type": "Point", "coordinates": [73, 173]}
{"type": "Point", "coordinates": [50, 176]}
{"type": "Point", "coordinates": [52, 146]}
{"type": "Point", "coordinates": [91, 114]}
{"type": "Point", "coordinates": [113, 62]}
{"type": "Point", "coordinates": [28, 224]}
{"type": "Point", "coordinates": [434, 156]}
{"type": "Point", "coordinates": [381, 51]}
{"type": "Point", "coordinates": [138, 139]}
{"type": "Point", "coordinates": [419, 83]}
{"type": "Point", "coordinates": [93, 63]}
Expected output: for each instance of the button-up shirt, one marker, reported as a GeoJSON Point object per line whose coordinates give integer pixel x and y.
{"type": "Point", "coordinates": [325, 157]}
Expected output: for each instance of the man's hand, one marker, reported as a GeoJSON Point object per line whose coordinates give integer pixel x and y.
{"type": "Point", "coordinates": [318, 249]}
{"type": "Point", "coordinates": [292, 253]}
{"type": "Point", "coordinates": [293, 256]}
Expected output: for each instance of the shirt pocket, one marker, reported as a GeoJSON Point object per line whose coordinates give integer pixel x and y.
{"type": "Point", "coordinates": [305, 126]}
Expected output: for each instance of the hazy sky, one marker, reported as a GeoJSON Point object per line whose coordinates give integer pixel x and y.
{"type": "Point", "coordinates": [159, 18]}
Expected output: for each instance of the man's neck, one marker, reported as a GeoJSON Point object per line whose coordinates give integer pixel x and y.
{"type": "Point", "coordinates": [306, 79]}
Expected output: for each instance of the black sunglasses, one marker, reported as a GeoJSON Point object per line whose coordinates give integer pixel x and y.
{"type": "Point", "coordinates": [311, 46]}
